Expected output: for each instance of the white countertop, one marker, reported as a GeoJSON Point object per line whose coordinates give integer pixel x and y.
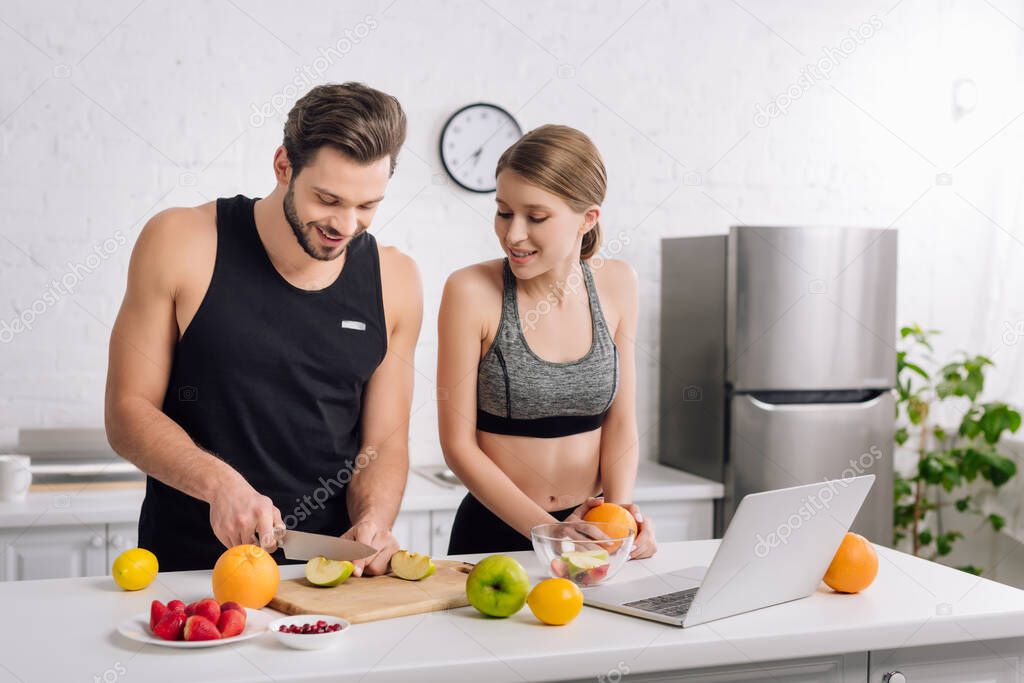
{"type": "Point", "coordinates": [97, 506]}
{"type": "Point", "coordinates": [913, 602]}
{"type": "Point", "coordinates": [654, 482]}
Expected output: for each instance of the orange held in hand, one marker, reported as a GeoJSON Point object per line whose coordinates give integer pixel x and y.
{"type": "Point", "coordinates": [246, 574]}
{"type": "Point", "coordinates": [854, 567]}
{"type": "Point", "coordinates": [617, 516]}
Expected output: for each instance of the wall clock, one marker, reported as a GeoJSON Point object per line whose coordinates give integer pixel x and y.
{"type": "Point", "coordinates": [472, 141]}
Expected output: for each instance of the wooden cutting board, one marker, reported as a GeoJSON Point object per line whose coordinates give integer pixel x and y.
{"type": "Point", "coordinates": [368, 598]}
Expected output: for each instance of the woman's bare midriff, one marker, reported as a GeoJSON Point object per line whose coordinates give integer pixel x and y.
{"type": "Point", "coordinates": [555, 473]}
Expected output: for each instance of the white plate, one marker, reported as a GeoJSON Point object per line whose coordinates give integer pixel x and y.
{"type": "Point", "coordinates": [137, 628]}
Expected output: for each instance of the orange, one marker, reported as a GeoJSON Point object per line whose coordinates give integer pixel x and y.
{"type": "Point", "coordinates": [555, 601]}
{"type": "Point", "coordinates": [617, 516]}
{"type": "Point", "coordinates": [854, 567]}
{"type": "Point", "coordinates": [246, 574]}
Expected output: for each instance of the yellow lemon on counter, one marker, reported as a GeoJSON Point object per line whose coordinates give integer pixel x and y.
{"type": "Point", "coordinates": [135, 569]}
{"type": "Point", "coordinates": [555, 601]}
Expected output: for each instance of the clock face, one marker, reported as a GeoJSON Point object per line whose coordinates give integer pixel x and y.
{"type": "Point", "coordinates": [473, 140]}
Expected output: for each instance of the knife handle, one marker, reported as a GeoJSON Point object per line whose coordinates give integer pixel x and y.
{"type": "Point", "coordinates": [279, 532]}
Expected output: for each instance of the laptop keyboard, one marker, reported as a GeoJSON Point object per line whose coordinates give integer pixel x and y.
{"type": "Point", "coordinates": [670, 604]}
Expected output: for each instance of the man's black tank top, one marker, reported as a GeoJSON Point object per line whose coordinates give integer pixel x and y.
{"type": "Point", "coordinates": [269, 378]}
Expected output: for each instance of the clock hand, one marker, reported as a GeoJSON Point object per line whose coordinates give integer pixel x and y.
{"type": "Point", "coordinates": [476, 155]}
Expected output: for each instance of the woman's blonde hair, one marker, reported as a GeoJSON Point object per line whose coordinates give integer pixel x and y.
{"type": "Point", "coordinates": [565, 162]}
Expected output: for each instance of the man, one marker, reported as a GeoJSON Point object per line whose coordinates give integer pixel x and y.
{"type": "Point", "coordinates": [261, 363]}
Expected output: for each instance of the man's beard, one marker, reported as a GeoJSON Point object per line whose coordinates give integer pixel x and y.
{"type": "Point", "coordinates": [304, 234]}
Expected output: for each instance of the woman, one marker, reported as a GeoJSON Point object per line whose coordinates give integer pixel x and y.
{"type": "Point", "coordinates": [536, 377]}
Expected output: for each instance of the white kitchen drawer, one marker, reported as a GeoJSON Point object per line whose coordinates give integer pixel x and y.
{"type": "Point", "coordinates": [412, 530]}
{"type": "Point", "coordinates": [991, 661]}
{"type": "Point", "coordinates": [847, 668]}
{"type": "Point", "coordinates": [440, 531]}
{"type": "Point", "coordinates": [54, 552]}
{"type": "Point", "coordinates": [683, 520]}
{"type": "Point", "coordinates": [120, 537]}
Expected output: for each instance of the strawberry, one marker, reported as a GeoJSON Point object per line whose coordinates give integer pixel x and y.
{"type": "Point", "coordinates": [157, 610]}
{"type": "Point", "coordinates": [208, 608]}
{"type": "Point", "coordinates": [171, 626]}
{"type": "Point", "coordinates": [225, 606]}
{"type": "Point", "coordinates": [176, 606]}
{"type": "Point", "coordinates": [190, 608]}
{"type": "Point", "coordinates": [200, 628]}
{"type": "Point", "coordinates": [232, 622]}
{"type": "Point", "coordinates": [595, 575]}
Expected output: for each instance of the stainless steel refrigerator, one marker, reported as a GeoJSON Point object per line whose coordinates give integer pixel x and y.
{"type": "Point", "coordinates": [778, 360]}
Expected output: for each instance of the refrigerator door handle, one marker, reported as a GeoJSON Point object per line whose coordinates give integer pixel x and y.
{"type": "Point", "coordinates": [816, 400]}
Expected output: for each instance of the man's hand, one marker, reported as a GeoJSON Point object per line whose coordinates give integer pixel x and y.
{"type": "Point", "coordinates": [369, 533]}
{"type": "Point", "coordinates": [238, 513]}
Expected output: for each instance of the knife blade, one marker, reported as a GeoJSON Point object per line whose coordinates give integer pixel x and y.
{"type": "Point", "coordinates": [302, 545]}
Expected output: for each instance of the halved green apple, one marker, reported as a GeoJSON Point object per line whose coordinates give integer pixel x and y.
{"type": "Point", "coordinates": [578, 562]}
{"type": "Point", "coordinates": [412, 566]}
{"type": "Point", "coordinates": [326, 573]}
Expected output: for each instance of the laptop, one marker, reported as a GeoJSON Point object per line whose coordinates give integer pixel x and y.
{"type": "Point", "coordinates": [776, 549]}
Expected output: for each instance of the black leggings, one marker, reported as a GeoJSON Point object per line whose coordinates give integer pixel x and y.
{"type": "Point", "coordinates": [478, 530]}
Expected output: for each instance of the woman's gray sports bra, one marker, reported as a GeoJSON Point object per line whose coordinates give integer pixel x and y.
{"type": "Point", "coordinates": [521, 394]}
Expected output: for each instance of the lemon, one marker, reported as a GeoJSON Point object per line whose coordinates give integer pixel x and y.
{"type": "Point", "coordinates": [555, 601]}
{"type": "Point", "coordinates": [135, 569]}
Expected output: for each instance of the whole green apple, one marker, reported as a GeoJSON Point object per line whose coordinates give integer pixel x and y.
{"type": "Point", "coordinates": [498, 586]}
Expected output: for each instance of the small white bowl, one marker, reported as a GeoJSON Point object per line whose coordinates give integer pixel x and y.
{"type": "Point", "coordinates": [309, 641]}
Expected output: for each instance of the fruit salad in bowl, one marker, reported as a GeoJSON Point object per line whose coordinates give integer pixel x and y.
{"type": "Point", "coordinates": [586, 553]}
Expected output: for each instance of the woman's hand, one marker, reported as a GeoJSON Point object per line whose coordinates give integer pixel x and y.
{"type": "Point", "coordinates": [645, 545]}
{"type": "Point", "coordinates": [577, 514]}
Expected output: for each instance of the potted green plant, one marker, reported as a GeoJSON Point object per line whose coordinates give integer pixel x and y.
{"type": "Point", "coordinates": [953, 459]}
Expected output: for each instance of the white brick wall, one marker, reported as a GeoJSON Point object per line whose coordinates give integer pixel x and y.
{"type": "Point", "coordinates": [112, 111]}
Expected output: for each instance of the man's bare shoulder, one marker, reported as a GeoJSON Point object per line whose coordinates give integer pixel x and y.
{"type": "Point", "coordinates": [397, 264]}
{"type": "Point", "coordinates": [178, 243]}
{"type": "Point", "coordinates": [181, 228]}
{"type": "Point", "coordinates": [401, 288]}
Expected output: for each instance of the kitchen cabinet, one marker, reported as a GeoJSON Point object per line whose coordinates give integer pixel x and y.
{"type": "Point", "coordinates": [973, 661]}
{"type": "Point", "coordinates": [848, 668]}
{"type": "Point", "coordinates": [63, 551]}
{"type": "Point", "coordinates": [120, 537]}
{"type": "Point", "coordinates": [50, 552]}
{"type": "Point", "coordinates": [424, 531]}
{"type": "Point", "coordinates": [412, 530]}
{"type": "Point", "coordinates": [440, 531]}
{"type": "Point", "coordinates": [53, 552]}
{"type": "Point", "coordinates": [683, 520]}
{"type": "Point", "coordinates": [58, 534]}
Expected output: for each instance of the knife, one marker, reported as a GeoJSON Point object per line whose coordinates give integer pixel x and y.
{"type": "Point", "coordinates": [302, 545]}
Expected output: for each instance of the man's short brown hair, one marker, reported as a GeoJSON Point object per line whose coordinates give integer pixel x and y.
{"type": "Point", "coordinates": [358, 121]}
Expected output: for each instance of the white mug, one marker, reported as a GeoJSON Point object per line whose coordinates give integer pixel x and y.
{"type": "Point", "coordinates": [15, 477]}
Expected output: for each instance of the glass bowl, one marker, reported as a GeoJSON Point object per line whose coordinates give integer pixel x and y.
{"type": "Point", "coordinates": [586, 553]}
